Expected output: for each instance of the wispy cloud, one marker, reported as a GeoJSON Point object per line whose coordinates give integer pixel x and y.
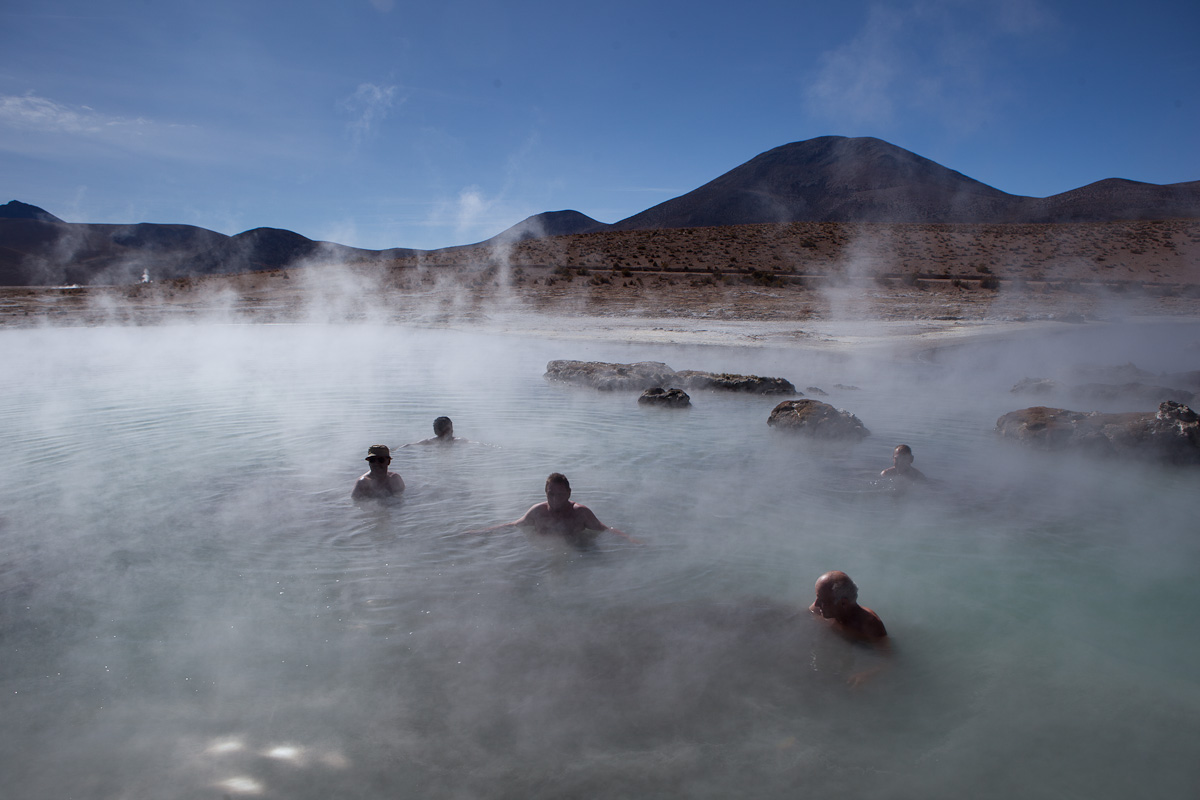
{"type": "Point", "coordinates": [32, 113]}
{"type": "Point", "coordinates": [856, 82]}
{"type": "Point", "coordinates": [932, 57]}
{"type": "Point", "coordinates": [368, 106]}
{"type": "Point", "coordinates": [42, 127]}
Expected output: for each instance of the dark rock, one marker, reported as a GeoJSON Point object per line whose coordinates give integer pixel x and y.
{"type": "Point", "coordinates": [666, 398]}
{"type": "Point", "coordinates": [1171, 434]}
{"type": "Point", "coordinates": [649, 374]}
{"type": "Point", "coordinates": [845, 388]}
{"type": "Point", "coordinates": [1036, 386]}
{"type": "Point", "coordinates": [610, 377]}
{"type": "Point", "coordinates": [815, 390]}
{"type": "Point", "coordinates": [724, 381]}
{"type": "Point", "coordinates": [817, 419]}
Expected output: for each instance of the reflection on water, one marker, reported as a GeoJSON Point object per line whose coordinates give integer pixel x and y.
{"type": "Point", "coordinates": [191, 606]}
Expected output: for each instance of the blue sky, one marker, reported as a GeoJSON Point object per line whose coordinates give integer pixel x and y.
{"type": "Point", "coordinates": [387, 123]}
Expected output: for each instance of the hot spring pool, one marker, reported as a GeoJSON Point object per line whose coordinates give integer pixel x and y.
{"type": "Point", "coordinates": [192, 607]}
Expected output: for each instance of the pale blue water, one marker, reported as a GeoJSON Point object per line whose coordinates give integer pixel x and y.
{"type": "Point", "coordinates": [191, 606]}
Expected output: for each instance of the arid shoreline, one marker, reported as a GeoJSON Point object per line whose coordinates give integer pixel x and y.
{"type": "Point", "coordinates": [751, 285]}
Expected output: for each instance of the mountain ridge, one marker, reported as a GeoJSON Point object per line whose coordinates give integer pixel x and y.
{"type": "Point", "coordinates": [826, 179]}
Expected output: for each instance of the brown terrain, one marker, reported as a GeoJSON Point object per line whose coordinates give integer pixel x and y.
{"type": "Point", "coordinates": [783, 272]}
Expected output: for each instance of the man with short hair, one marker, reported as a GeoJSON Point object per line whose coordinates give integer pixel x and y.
{"type": "Point", "coordinates": [378, 482]}
{"type": "Point", "coordinates": [558, 516]}
{"type": "Point", "coordinates": [902, 459]}
{"type": "Point", "coordinates": [443, 433]}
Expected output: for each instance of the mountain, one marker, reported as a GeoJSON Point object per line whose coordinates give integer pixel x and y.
{"type": "Point", "coordinates": [1117, 199]}
{"type": "Point", "coordinates": [838, 179]}
{"type": "Point", "coordinates": [829, 179]}
{"type": "Point", "coordinates": [549, 223]}
{"type": "Point", "coordinates": [38, 250]}
{"type": "Point", "coordinates": [14, 209]}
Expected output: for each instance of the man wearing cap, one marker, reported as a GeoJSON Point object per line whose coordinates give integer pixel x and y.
{"type": "Point", "coordinates": [378, 481]}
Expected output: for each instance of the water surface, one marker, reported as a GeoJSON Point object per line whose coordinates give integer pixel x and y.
{"type": "Point", "coordinates": [192, 607]}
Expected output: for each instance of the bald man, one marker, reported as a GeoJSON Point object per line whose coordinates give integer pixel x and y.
{"type": "Point", "coordinates": [837, 605]}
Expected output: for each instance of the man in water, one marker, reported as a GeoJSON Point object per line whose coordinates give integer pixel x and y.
{"type": "Point", "coordinates": [837, 607]}
{"type": "Point", "coordinates": [837, 604]}
{"type": "Point", "coordinates": [378, 482]}
{"type": "Point", "coordinates": [902, 459]}
{"type": "Point", "coordinates": [443, 433]}
{"type": "Point", "coordinates": [558, 516]}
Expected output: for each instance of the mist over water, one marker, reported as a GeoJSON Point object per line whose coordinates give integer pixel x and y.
{"type": "Point", "coordinates": [191, 606]}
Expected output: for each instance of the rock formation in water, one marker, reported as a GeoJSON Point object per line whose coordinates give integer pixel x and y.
{"type": "Point", "coordinates": [665, 398]}
{"type": "Point", "coordinates": [729, 382]}
{"type": "Point", "coordinates": [611, 377]}
{"type": "Point", "coordinates": [817, 419]}
{"type": "Point", "coordinates": [1171, 434]}
{"type": "Point", "coordinates": [650, 374]}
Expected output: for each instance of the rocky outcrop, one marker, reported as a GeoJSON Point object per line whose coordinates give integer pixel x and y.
{"type": "Point", "coordinates": [1171, 434]}
{"type": "Point", "coordinates": [650, 374]}
{"type": "Point", "coordinates": [817, 419]}
{"type": "Point", "coordinates": [665, 398]}
{"type": "Point", "coordinates": [1036, 386]}
{"type": "Point", "coordinates": [611, 377]}
{"type": "Point", "coordinates": [729, 382]}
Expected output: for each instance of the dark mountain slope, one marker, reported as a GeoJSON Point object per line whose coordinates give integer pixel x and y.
{"type": "Point", "coordinates": [831, 179]}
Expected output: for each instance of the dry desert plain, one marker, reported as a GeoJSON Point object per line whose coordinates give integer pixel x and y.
{"type": "Point", "coordinates": [747, 284]}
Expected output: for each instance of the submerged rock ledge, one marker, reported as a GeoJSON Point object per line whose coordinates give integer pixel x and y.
{"type": "Point", "coordinates": [651, 374]}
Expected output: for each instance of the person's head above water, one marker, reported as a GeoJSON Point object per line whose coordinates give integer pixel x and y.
{"type": "Point", "coordinates": [379, 481]}
{"type": "Point", "coordinates": [835, 591]}
{"type": "Point", "coordinates": [902, 460]}
{"type": "Point", "coordinates": [837, 602]}
{"type": "Point", "coordinates": [558, 490]}
{"type": "Point", "coordinates": [560, 517]}
{"type": "Point", "coordinates": [443, 428]}
{"type": "Point", "coordinates": [379, 453]}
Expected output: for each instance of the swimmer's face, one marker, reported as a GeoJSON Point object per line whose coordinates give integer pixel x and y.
{"type": "Point", "coordinates": [558, 496]}
{"type": "Point", "coordinates": [824, 602]}
{"type": "Point", "coordinates": [902, 458]}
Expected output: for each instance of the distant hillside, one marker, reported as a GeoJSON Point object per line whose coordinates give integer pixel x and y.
{"type": "Point", "coordinates": [1116, 199]}
{"type": "Point", "coordinates": [836, 179]}
{"type": "Point", "coordinates": [14, 209]}
{"type": "Point", "coordinates": [39, 249]}
{"type": "Point", "coordinates": [550, 223]}
{"type": "Point", "coordinates": [830, 179]}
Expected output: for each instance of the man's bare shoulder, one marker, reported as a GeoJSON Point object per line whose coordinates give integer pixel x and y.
{"type": "Point", "coordinates": [868, 625]}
